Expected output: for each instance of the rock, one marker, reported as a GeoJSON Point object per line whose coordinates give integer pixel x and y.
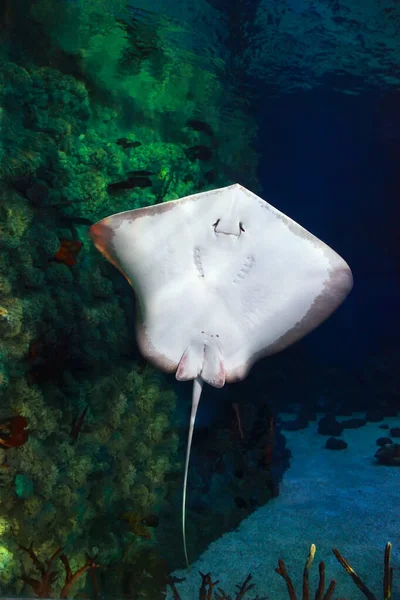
{"type": "Point", "coordinates": [354, 423]}
{"type": "Point", "coordinates": [335, 444]}
{"type": "Point", "coordinates": [240, 502]}
{"type": "Point", "coordinates": [300, 423]}
{"type": "Point", "coordinates": [329, 426]}
{"type": "Point", "coordinates": [374, 415]}
{"type": "Point", "coordinates": [395, 432]}
{"type": "Point", "coordinates": [389, 455]}
{"type": "Point", "coordinates": [382, 441]}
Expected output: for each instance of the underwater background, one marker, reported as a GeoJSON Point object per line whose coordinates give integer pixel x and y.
{"type": "Point", "coordinates": [112, 105]}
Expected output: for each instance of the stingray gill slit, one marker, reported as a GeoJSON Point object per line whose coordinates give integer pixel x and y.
{"type": "Point", "coordinates": [245, 269]}
{"type": "Point", "coordinates": [197, 261]}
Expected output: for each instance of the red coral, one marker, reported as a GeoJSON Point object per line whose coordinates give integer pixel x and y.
{"type": "Point", "coordinates": [13, 432]}
{"type": "Point", "coordinates": [68, 252]}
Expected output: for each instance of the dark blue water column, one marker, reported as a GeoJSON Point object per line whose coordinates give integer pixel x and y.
{"type": "Point", "coordinates": [328, 161]}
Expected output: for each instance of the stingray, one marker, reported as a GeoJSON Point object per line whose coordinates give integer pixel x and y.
{"type": "Point", "coordinates": [222, 279]}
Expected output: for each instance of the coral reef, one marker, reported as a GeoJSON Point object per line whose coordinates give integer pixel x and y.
{"type": "Point", "coordinates": [99, 114]}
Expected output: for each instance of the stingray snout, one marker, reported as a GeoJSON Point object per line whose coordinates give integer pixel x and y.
{"type": "Point", "coordinates": [228, 229]}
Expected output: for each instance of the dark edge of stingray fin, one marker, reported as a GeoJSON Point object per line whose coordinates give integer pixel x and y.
{"type": "Point", "coordinates": [197, 388]}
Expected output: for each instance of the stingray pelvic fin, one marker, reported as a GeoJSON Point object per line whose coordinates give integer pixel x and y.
{"type": "Point", "coordinates": [197, 388]}
{"type": "Point", "coordinates": [213, 371]}
{"type": "Point", "coordinates": [191, 363]}
{"type": "Point", "coordinates": [202, 359]}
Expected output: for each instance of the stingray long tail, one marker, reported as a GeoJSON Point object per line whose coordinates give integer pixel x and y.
{"type": "Point", "coordinates": [197, 388]}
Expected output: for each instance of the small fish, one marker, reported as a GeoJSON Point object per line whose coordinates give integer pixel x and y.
{"type": "Point", "coordinates": [138, 524]}
{"type": "Point", "coordinates": [77, 423]}
{"type": "Point", "coordinates": [4, 314]}
{"type": "Point", "coordinates": [127, 143]}
{"type": "Point", "coordinates": [199, 153]}
{"type": "Point", "coordinates": [199, 125]}
{"type": "Point", "coordinates": [151, 521]}
{"type": "Point", "coordinates": [75, 220]}
{"type": "Point", "coordinates": [129, 184]}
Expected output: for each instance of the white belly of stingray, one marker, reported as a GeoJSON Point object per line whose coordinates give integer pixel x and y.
{"type": "Point", "coordinates": [221, 276]}
{"type": "Point", "coordinates": [228, 308]}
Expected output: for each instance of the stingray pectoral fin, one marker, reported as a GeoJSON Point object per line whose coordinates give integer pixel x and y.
{"type": "Point", "coordinates": [102, 234]}
{"type": "Point", "coordinates": [213, 371]}
{"type": "Point", "coordinates": [191, 362]}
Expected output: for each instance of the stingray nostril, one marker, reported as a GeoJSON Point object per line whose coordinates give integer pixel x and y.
{"type": "Point", "coordinates": [216, 223]}
{"type": "Point", "coordinates": [241, 227]}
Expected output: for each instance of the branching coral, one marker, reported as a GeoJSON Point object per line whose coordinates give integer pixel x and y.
{"type": "Point", "coordinates": [43, 587]}
{"type": "Point", "coordinates": [387, 574]}
{"type": "Point", "coordinates": [320, 594]}
{"type": "Point", "coordinates": [206, 588]}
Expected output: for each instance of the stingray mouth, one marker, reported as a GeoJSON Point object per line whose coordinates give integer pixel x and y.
{"type": "Point", "coordinates": [219, 230]}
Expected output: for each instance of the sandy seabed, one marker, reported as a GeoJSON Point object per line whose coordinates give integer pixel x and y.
{"type": "Point", "coordinates": [335, 499]}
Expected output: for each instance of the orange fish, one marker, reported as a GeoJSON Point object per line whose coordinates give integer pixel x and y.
{"type": "Point", "coordinates": [138, 524]}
